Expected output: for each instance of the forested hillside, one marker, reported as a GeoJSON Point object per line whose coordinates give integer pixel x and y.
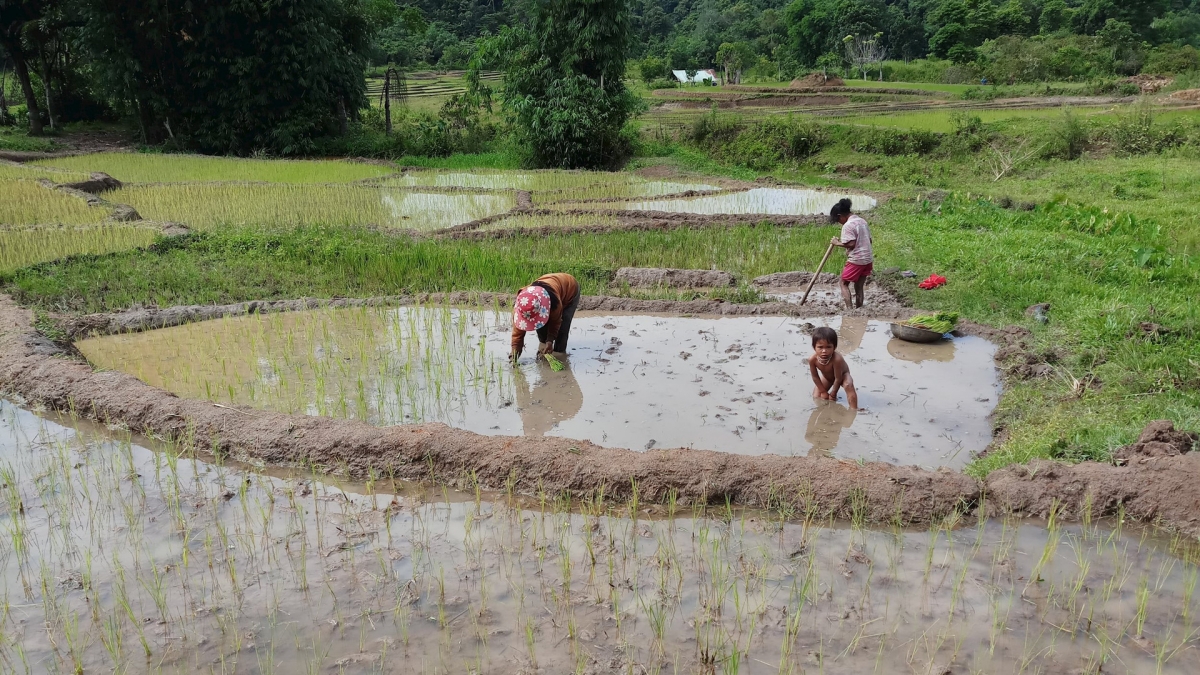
{"type": "Point", "coordinates": [1009, 40]}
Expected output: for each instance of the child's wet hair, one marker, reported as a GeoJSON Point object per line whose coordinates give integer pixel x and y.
{"type": "Point", "coordinates": [824, 333]}
{"type": "Point", "coordinates": [842, 208]}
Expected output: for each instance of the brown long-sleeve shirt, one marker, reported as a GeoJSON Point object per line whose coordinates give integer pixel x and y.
{"type": "Point", "coordinates": [563, 290]}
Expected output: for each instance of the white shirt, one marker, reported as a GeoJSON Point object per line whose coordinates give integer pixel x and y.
{"type": "Point", "coordinates": [856, 230]}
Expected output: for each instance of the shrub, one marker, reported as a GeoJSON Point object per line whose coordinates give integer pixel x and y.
{"type": "Point", "coordinates": [762, 145]}
{"type": "Point", "coordinates": [893, 142]}
{"type": "Point", "coordinates": [1169, 59]}
{"type": "Point", "coordinates": [1070, 137]}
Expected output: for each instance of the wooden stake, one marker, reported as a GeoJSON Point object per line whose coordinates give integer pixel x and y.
{"type": "Point", "coordinates": [816, 274]}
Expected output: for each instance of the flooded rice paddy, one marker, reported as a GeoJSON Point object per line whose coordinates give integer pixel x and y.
{"type": "Point", "coordinates": [209, 205]}
{"type": "Point", "coordinates": [758, 201]}
{"type": "Point", "coordinates": [123, 555]}
{"type": "Point", "coordinates": [739, 385]}
{"type": "Point", "coordinates": [579, 183]}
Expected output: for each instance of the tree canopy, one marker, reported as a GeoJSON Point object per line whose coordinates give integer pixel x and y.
{"type": "Point", "coordinates": [564, 85]}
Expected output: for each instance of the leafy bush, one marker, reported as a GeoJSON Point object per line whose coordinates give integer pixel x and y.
{"type": "Point", "coordinates": [892, 142]}
{"type": "Point", "coordinates": [1170, 59]}
{"type": "Point", "coordinates": [1069, 138]}
{"type": "Point", "coordinates": [1134, 133]}
{"type": "Point", "coordinates": [762, 145]}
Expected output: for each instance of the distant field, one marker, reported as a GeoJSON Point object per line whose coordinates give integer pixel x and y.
{"type": "Point", "coordinates": [427, 91]}
{"type": "Point", "coordinates": [941, 120]}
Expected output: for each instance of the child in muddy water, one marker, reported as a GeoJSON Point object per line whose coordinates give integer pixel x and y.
{"type": "Point", "coordinates": [829, 369]}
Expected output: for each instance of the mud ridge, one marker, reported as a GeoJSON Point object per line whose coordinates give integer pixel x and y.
{"type": "Point", "coordinates": [637, 223]}
{"type": "Point", "coordinates": [40, 372]}
{"type": "Point", "coordinates": [650, 277]}
{"type": "Point", "coordinates": [89, 191]}
{"type": "Point", "coordinates": [1152, 486]}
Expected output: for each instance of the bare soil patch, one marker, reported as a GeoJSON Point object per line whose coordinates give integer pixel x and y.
{"type": "Point", "coordinates": [816, 80]}
{"type": "Point", "coordinates": [1149, 84]}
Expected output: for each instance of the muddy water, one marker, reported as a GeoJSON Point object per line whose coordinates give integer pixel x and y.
{"type": "Point", "coordinates": [581, 184]}
{"type": "Point", "coordinates": [738, 385]}
{"type": "Point", "coordinates": [426, 211]}
{"type": "Point", "coordinates": [116, 555]}
{"type": "Point", "coordinates": [759, 201]}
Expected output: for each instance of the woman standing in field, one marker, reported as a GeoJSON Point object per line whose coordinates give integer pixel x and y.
{"type": "Point", "coordinates": [546, 306]}
{"type": "Point", "coordinates": [856, 239]}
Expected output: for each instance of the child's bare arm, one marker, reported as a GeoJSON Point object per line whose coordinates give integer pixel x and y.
{"type": "Point", "coordinates": [840, 368]}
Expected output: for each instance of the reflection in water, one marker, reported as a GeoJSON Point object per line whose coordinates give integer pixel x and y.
{"type": "Point", "coordinates": [121, 547]}
{"type": "Point", "coordinates": [726, 384]}
{"type": "Point", "coordinates": [777, 201]}
{"type": "Point", "coordinates": [555, 398]}
{"type": "Point", "coordinates": [850, 333]}
{"type": "Point", "coordinates": [825, 425]}
{"type": "Point", "coordinates": [916, 352]}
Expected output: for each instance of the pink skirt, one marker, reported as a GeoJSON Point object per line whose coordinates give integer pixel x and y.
{"type": "Point", "coordinates": [853, 273]}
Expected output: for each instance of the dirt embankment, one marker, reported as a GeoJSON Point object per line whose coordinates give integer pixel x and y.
{"type": "Point", "coordinates": [1155, 483]}
{"type": "Point", "coordinates": [642, 277]}
{"type": "Point", "coordinates": [38, 371]}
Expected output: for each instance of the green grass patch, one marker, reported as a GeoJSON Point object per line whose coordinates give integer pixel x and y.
{"type": "Point", "coordinates": [169, 168]}
{"type": "Point", "coordinates": [18, 140]}
{"type": "Point", "coordinates": [236, 264]}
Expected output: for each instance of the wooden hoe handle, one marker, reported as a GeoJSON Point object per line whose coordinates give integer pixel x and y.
{"type": "Point", "coordinates": [812, 282]}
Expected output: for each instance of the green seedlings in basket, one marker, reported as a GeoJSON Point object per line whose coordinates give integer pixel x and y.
{"type": "Point", "coordinates": [942, 322]}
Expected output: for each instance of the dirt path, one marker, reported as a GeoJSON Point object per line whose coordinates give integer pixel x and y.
{"type": "Point", "coordinates": [37, 371]}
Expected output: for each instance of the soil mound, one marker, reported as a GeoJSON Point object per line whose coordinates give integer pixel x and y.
{"type": "Point", "coordinates": [99, 182]}
{"type": "Point", "coordinates": [817, 80]}
{"type": "Point", "coordinates": [1149, 84]}
{"type": "Point", "coordinates": [640, 277]}
{"type": "Point", "coordinates": [1191, 95]}
{"type": "Point", "coordinates": [1158, 439]}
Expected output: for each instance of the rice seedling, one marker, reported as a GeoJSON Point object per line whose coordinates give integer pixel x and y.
{"type": "Point", "coordinates": [279, 205]}
{"type": "Point", "coordinates": [510, 180]}
{"type": "Point", "coordinates": [722, 593]}
{"type": "Point", "coordinates": [523, 221]}
{"type": "Point", "coordinates": [10, 171]}
{"type": "Point", "coordinates": [171, 168]}
{"type": "Point", "coordinates": [25, 246]}
{"type": "Point", "coordinates": [24, 202]}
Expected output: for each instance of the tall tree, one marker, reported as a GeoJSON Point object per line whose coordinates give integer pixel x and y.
{"type": "Point", "coordinates": [15, 15]}
{"type": "Point", "coordinates": [563, 85]}
{"type": "Point", "coordinates": [233, 76]}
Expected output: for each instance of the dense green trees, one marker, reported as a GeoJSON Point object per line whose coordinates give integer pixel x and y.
{"type": "Point", "coordinates": [564, 87]}
{"type": "Point", "coordinates": [215, 75]}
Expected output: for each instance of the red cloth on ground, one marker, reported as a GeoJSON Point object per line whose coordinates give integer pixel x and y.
{"type": "Point", "coordinates": [852, 272]}
{"type": "Point", "coordinates": [932, 282]}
